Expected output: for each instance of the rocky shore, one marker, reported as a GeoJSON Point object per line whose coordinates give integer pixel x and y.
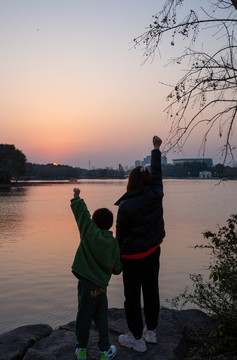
{"type": "Point", "coordinates": [176, 335]}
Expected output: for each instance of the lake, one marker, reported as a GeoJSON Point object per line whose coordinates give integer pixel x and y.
{"type": "Point", "coordinates": [39, 237]}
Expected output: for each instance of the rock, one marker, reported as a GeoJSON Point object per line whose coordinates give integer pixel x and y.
{"type": "Point", "coordinates": [15, 343]}
{"type": "Point", "coordinates": [194, 321]}
{"type": "Point", "coordinates": [60, 343]}
{"type": "Point", "coordinates": [195, 327]}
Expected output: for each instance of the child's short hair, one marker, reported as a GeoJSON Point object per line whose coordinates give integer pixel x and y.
{"type": "Point", "coordinates": [103, 218]}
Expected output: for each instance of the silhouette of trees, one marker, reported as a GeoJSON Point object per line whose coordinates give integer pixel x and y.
{"type": "Point", "coordinates": [66, 172]}
{"type": "Point", "coordinates": [12, 163]}
{"type": "Point", "coordinates": [50, 171]}
{"type": "Point", "coordinates": [206, 96]}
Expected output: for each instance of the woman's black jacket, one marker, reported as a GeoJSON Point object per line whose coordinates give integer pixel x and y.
{"type": "Point", "coordinates": [140, 223]}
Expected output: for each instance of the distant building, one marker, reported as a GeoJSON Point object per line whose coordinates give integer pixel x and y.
{"type": "Point", "coordinates": [164, 160]}
{"type": "Point", "coordinates": [207, 161]}
{"type": "Point", "coordinates": [147, 160]}
{"type": "Point", "coordinates": [205, 175]}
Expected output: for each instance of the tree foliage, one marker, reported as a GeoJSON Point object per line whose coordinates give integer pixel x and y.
{"type": "Point", "coordinates": [218, 295]}
{"type": "Point", "coordinates": [12, 163]}
{"type": "Point", "coordinates": [207, 94]}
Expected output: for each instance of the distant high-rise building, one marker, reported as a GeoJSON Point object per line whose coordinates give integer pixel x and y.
{"type": "Point", "coordinates": [163, 160]}
{"type": "Point", "coordinates": [147, 160]}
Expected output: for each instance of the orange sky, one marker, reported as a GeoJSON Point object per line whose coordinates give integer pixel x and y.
{"type": "Point", "coordinates": [72, 90]}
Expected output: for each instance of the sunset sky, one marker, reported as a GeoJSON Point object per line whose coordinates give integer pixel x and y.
{"type": "Point", "coordinates": [72, 88]}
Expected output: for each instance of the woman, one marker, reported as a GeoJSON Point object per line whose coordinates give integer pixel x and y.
{"type": "Point", "coordinates": [140, 231]}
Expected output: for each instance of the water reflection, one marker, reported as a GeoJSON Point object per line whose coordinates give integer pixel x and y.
{"type": "Point", "coordinates": [39, 237]}
{"type": "Point", "coordinates": [13, 191]}
{"type": "Point", "coordinates": [12, 214]}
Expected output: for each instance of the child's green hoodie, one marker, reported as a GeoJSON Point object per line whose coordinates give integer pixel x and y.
{"type": "Point", "coordinates": [98, 255]}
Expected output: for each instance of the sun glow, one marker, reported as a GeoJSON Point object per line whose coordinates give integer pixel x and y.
{"type": "Point", "coordinates": [55, 164]}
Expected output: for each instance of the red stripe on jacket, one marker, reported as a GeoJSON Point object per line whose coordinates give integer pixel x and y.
{"type": "Point", "coordinates": [141, 255]}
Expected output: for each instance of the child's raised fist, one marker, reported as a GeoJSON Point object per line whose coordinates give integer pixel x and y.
{"type": "Point", "coordinates": [76, 192]}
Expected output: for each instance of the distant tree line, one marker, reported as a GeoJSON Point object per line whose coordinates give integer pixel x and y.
{"type": "Point", "coordinates": [65, 172]}
{"type": "Point", "coordinates": [185, 170]}
{"type": "Point", "coordinates": [50, 171]}
{"type": "Point", "coordinates": [14, 166]}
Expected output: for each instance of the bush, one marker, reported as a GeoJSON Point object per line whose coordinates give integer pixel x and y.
{"type": "Point", "coordinates": [218, 295]}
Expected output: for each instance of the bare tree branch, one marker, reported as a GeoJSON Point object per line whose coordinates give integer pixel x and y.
{"type": "Point", "coordinates": [209, 87]}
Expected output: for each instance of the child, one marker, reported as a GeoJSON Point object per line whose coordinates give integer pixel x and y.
{"type": "Point", "coordinates": [96, 259]}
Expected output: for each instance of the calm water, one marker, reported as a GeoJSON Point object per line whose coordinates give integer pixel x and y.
{"type": "Point", "coordinates": [39, 237]}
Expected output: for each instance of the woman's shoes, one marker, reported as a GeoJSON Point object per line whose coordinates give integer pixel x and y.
{"type": "Point", "coordinates": [149, 336]}
{"type": "Point", "coordinates": [131, 342]}
{"type": "Point", "coordinates": [139, 345]}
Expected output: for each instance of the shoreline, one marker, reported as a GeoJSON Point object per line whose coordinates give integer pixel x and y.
{"type": "Point", "coordinates": [79, 181]}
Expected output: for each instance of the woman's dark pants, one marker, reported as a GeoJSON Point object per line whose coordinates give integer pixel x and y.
{"type": "Point", "coordinates": [142, 274]}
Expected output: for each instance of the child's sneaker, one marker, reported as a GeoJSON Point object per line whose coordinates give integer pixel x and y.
{"type": "Point", "coordinates": [109, 354]}
{"type": "Point", "coordinates": [149, 336]}
{"type": "Point", "coordinates": [81, 353]}
{"type": "Point", "coordinates": [130, 342]}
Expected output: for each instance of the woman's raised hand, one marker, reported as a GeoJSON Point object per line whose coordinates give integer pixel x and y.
{"type": "Point", "coordinates": [157, 142]}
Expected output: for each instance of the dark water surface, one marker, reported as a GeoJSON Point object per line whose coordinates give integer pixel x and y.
{"type": "Point", "coordinates": [39, 237]}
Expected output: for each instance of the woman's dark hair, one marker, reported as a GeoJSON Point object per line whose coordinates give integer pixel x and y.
{"type": "Point", "coordinates": [138, 178]}
{"type": "Point", "coordinates": [103, 218]}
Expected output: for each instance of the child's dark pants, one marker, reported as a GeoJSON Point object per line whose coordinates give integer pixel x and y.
{"type": "Point", "coordinates": [92, 305]}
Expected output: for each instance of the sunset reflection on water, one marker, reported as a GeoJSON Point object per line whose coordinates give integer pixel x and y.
{"type": "Point", "coordinates": [39, 237]}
